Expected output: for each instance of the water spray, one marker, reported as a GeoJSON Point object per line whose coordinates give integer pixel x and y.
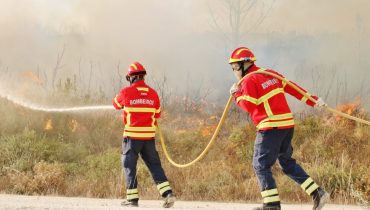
{"type": "Point", "coordinates": [37, 107]}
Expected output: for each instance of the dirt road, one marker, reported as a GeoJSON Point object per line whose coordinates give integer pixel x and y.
{"type": "Point", "coordinates": [13, 202]}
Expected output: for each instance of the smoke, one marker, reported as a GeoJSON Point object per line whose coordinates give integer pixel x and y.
{"type": "Point", "coordinates": [324, 46]}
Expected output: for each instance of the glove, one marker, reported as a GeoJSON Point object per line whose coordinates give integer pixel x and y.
{"type": "Point", "coordinates": [320, 103]}
{"type": "Point", "coordinates": [234, 88]}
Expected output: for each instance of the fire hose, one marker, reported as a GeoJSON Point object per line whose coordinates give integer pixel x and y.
{"type": "Point", "coordinates": [220, 123]}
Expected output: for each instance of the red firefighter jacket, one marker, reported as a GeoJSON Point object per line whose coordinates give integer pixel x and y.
{"type": "Point", "coordinates": [141, 108]}
{"type": "Point", "coordinates": [263, 97]}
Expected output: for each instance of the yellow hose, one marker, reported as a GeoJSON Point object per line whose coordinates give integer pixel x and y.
{"type": "Point", "coordinates": [208, 145]}
{"type": "Point", "coordinates": [220, 123]}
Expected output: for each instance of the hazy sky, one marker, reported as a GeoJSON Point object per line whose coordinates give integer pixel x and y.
{"type": "Point", "coordinates": [189, 41]}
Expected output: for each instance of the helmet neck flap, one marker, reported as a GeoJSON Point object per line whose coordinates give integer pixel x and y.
{"type": "Point", "coordinates": [133, 79]}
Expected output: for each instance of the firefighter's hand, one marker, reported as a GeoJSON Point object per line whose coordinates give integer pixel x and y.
{"type": "Point", "coordinates": [234, 88]}
{"type": "Point", "coordinates": [320, 103]}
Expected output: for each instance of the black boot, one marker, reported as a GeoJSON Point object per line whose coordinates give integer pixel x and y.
{"type": "Point", "coordinates": [169, 200]}
{"type": "Point", "coordinates": [130, 203]}
{"type": "Point", "coordinates": [266, 207]}
{"type": "Point", "coordinates": [319, 197]}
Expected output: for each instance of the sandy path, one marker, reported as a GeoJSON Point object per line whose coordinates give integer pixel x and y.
{"type": "Point", "coordinates": [20, 202]}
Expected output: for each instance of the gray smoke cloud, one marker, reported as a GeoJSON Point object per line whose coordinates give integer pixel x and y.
{"type": "Point", "coordinates": [322, 45]}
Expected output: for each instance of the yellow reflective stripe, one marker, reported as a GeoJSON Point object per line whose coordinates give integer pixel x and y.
{"type": "Point", "coordinates": [269, 95]}
{"type": "Point", "coordinates": [163, 184]}
{"type": "Point", "coordinates": [116, 102]}
{"type": "Point", "coordinates": [128, 119]}
{"type": "Point", "coordinates": [158, 110]}
{"type": "Point", "coordinates": [275, 124]}
{"type": "Point", "coordinates": [132, 194]}
{"type": "Point", "coordinates": [129, 128]}
{"type": "Point", "coordinates": [139, 109]}
{"type": "Point", "coordinates": [163, 187]}
{"type": "Point", "coordinates": [269, 192]}
{"type": "Point", "coordinates": [132, 191]}
{"type": "Point", "coordinates": [281, 116]}
{"type": "Point", "coordinates": [233, 60]}
{"type": "Point", "coordinates": [153, 120]}
{"type": "Point", "coordinates": [143, 89]}
{"type": "Point", "coordinates": [271, 199]}
{"type": "Point", "coordinates": [268, 108]}
{"type": "Point", "coordinates": [246, 98]}
{"type": "Point", "coordinates": [305, 98]}
{"type": "Point", "coordinates": [284, 83]}
{"type": "Point", "coordinates": [263, 121]}
{"type": "Point", "coordinates": [277, 117]}
{"type": "Point", "coordinates": [306, 183]}
{"type": "Point", "coordinates": [134, 134]}
{"type": "Point", "coordinates": [312, 188]}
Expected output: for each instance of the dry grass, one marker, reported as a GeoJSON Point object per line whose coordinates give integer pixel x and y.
{"type": "Point", "coordinates": [79, 155]}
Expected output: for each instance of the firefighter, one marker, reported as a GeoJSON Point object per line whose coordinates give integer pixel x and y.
{"type": "Point", "coordinates": [141, 107]}
{"type": "Point", "coordinates": [262, 96]}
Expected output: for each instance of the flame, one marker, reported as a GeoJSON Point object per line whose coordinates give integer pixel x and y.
{"type": "Point", "coordinates": [350, 108]}
{"type": "Point", "coordinates": [74, 125]}
{"type": "Point", "coordinates": [208, 130]}
{"type": "Point", "coordinates": [49, 125]}
{"type": "Point", "coordinates": [353, 108]}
